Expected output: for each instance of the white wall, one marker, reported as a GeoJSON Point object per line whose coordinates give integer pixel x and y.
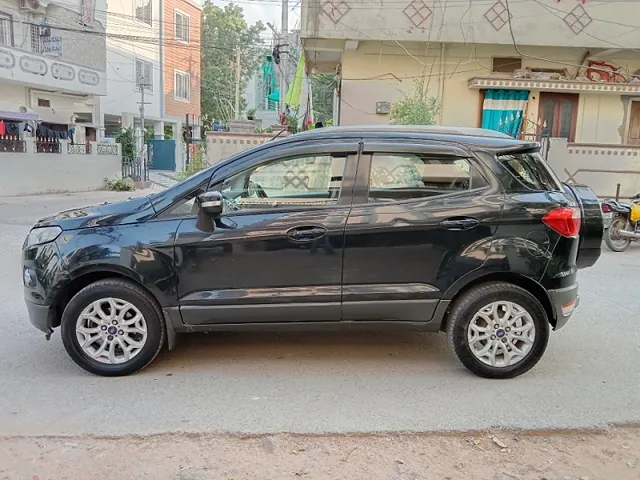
{"type": "Point", "coordinates": [122, 93]}
{"type": "Point", "coordinates": [13, 96]}
{"type": "Point", "coordinates": [539, 22]}
{"type": "Point", "coordinates": [31, 173]}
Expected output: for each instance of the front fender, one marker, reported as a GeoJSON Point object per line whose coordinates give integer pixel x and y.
{"type": "Point", "coordinates": [145, 255]}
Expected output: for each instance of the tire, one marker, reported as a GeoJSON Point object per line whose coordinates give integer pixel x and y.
{"type": "Point", "coordinates": [471, 303]}
{"type": "Point", "coordinates": [617, 245]}
{"type": "Point", "coordinates": [117, 293]}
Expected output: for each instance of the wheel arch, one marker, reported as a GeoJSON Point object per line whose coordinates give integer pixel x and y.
{"type": "Point", "coordinates": [85, 276]}
{"type": "Point", "coordinates": [534, 288]}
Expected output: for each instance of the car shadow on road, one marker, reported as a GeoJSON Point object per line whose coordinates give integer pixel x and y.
{"type": "Point", "coordinates": [359, 349]}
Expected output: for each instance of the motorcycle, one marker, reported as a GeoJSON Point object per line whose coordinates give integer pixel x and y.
{"type": "Point", "coordinates": [621, 223]}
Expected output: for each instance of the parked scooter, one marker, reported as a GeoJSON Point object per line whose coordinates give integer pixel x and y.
{"type": "Point", "coordinates": [621, 223]}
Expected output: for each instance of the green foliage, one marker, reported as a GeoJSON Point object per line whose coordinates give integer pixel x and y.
{"type": "Point", "coordinates": [168, 133]}
{"type": "Point", "coordinates": [251, 113]}
{"type": "Point", "coordinates": [224, 28]}
{"type": "Point", "coordinates": [126, 137]}
{"type": "Point", "coordinates": [197, 163]}
{"type": "Point", "coordinates": [323, 88]}
{"type": "Point", "coordinates": [293, 123]}
{"type": "Point", "coordinates": [416, 108]}
{"type": "Point", "coordinates": [119, 184]}
{"type": "Point", "coordinates": [264, 130]}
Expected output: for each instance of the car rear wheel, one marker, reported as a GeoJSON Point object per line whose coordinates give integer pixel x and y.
{"type": "Point", "coordinates": [498, 330]}
{"type": "Point", "coordinates": [112, 328]}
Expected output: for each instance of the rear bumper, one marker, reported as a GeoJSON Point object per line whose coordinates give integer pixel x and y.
{"type": "Point", "coordinates": [564, 301]}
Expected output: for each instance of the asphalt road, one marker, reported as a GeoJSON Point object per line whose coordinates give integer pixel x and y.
{"type": "Point", "coordinates": [317, 383]}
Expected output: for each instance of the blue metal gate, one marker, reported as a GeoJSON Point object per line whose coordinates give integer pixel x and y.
{"type": "Point", "coordinates": [162, 154]}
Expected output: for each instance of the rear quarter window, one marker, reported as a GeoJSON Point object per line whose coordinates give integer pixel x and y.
{"type": "Point", "coordinates": [531, 170]}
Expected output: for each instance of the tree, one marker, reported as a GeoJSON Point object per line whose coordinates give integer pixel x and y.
{"type": "Point", "coordinates": [224, 29]}
{"type": "Point", "coordinates": [416, 108]}
{"type": "Point", "coordinates": [323, 88]}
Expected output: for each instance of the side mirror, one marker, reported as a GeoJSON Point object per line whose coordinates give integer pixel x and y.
{"type": "Point", "coordinates": [210, 203]}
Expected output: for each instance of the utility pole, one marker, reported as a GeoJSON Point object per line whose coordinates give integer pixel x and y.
{"type": "Point", "coordinates": [237, 102]}
{"type": "Point", "coordinates": [142, 103]}
{"type": "Point", "coordinates": [283, 59]}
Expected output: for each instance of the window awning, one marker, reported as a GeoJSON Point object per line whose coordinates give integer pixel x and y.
{"type": "Point", "coordinates": [18, 116]}
{"type": "Point", "coordinates": [569, 86]}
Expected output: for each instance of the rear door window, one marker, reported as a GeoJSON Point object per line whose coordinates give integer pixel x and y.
{"type": "Point", "coordinates": [531, 170]}
{"type": "Point", "coordinates": [408, 176]}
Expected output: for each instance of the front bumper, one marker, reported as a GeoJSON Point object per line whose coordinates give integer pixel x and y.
{"type": "Point", "coordinates": [42, 283]}
{"type": "Point", "coordinates": [40, 316]}
{"type": "Point", "coordinates": [564, 302]}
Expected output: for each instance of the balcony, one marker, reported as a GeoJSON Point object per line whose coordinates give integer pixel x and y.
{"type": "Point", "coordinates": [596, 24]}
{"type": "Point", "coordinates": [32, 69]}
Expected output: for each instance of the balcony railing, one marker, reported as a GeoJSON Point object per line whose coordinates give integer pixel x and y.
{"type": "Point", "coordinates": [48, 145]}
{"type": "Point", "coordinates": [79, 148]}
{"type": "Point", "coordinates": [12, 144]}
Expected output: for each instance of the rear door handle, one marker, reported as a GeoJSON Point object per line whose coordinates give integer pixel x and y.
{"type": "Point", "coordinates": [306, 234]}
{"type": "Point", "coordinates": [458, 224]}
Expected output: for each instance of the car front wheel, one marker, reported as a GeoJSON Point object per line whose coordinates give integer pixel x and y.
{"type": "Point", "coordinates": [112, 328]}
{"type": "Point", "coordinates": [498, 330]}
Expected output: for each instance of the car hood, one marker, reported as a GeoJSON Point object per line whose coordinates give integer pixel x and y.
{"type": "Point", "coordinates": [106, 214]}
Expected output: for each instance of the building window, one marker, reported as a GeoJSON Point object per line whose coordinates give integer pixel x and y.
{"type": "Point", "coordinates": [182, 86]}
{"type": "Point", "coordinates": [36, 43]}
{"type": "Point", "coordinates": [143, 11]}
{"type": "Point", "coordinates": [182, 26]}
{"type": "Point", "coordinates": [6, 30]}
{"type": "Point", "coordinates": [506, 64]}
{"type": "Point", "coordinates": [144, 75]}
{"type": "Point", "coordinates": [559, 112]}
{"type": "Point", "coordinates": [43, 102]}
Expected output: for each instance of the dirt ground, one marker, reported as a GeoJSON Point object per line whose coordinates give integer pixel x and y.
{"type": "Point", "coordinates": [609, 455]}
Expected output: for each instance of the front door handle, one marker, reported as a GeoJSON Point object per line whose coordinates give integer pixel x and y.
{"type": "Point", "coordinates": [458, 224]}
{"type": "Point", "coordinates": [306, 234]}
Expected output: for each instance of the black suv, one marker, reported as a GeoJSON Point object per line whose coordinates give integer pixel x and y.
{"type": "Point", "coordinates": [461, 230]}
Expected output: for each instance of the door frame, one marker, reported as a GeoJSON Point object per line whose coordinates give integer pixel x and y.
{"type": "Point", "coordinates": [575, 97]}
{"type": "Point", "coordinates": [627, 119]}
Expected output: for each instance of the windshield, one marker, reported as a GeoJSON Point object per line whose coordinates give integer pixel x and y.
{"type": "Point", "coordinates": [531, 170]}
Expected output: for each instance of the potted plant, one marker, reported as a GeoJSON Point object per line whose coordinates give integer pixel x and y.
{"type": "Point", "coordinates": [251, 114]}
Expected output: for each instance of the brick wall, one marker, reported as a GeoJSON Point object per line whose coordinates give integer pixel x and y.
{"type": "Point", "coordinates": [181, 56]}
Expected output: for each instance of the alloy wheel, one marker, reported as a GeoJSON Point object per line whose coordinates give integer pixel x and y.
{"type": "Point", "coordinates": [501, 334]}
{"type": "Point", "coordinates": [111, 331]}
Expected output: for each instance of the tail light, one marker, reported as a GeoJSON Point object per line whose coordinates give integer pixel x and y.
{"type": "Point", "coordinates": [606, 208]}
{"type": "Point", "coordinates": [566, 221]}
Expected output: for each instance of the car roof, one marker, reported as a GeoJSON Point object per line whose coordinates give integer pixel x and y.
{"type": "Point", "coordinates": [478, 137]}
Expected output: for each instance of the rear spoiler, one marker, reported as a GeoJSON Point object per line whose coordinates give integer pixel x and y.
{"type": "Point", "coordinates": [530, 147]}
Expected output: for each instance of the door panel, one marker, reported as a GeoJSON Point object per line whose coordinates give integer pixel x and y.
{"type": "Point", "coordinates": [399, 257]}
{"type": "Point", "coordinates": [278, 258]}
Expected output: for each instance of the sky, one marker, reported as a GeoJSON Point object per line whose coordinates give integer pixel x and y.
{"type": "Point", "coordinates": [267, 11]}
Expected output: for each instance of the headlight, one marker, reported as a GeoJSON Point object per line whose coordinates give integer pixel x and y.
{"type": "Point", "coordinates": [38, 236]}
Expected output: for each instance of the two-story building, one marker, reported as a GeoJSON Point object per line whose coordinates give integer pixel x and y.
{"type": "Point", "coordinates": [153, 45]}
{"type": "Point", "coordinates": [52, 68]}
{"type": "Point", "coordinates": [569, 69]}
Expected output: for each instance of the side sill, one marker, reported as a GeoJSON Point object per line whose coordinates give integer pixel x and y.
{"type": "Point", "coordinates": [427, 327]}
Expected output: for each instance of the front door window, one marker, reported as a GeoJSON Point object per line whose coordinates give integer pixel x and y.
{"type": "Point", "coordinates": [311, 180]}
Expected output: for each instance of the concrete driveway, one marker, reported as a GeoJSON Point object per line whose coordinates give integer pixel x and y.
{"type": "Point", "coordinates": [317, 383]}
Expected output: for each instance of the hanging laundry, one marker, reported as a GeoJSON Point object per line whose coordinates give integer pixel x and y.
{"type": "Point", "coordinates": [3, 128]}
